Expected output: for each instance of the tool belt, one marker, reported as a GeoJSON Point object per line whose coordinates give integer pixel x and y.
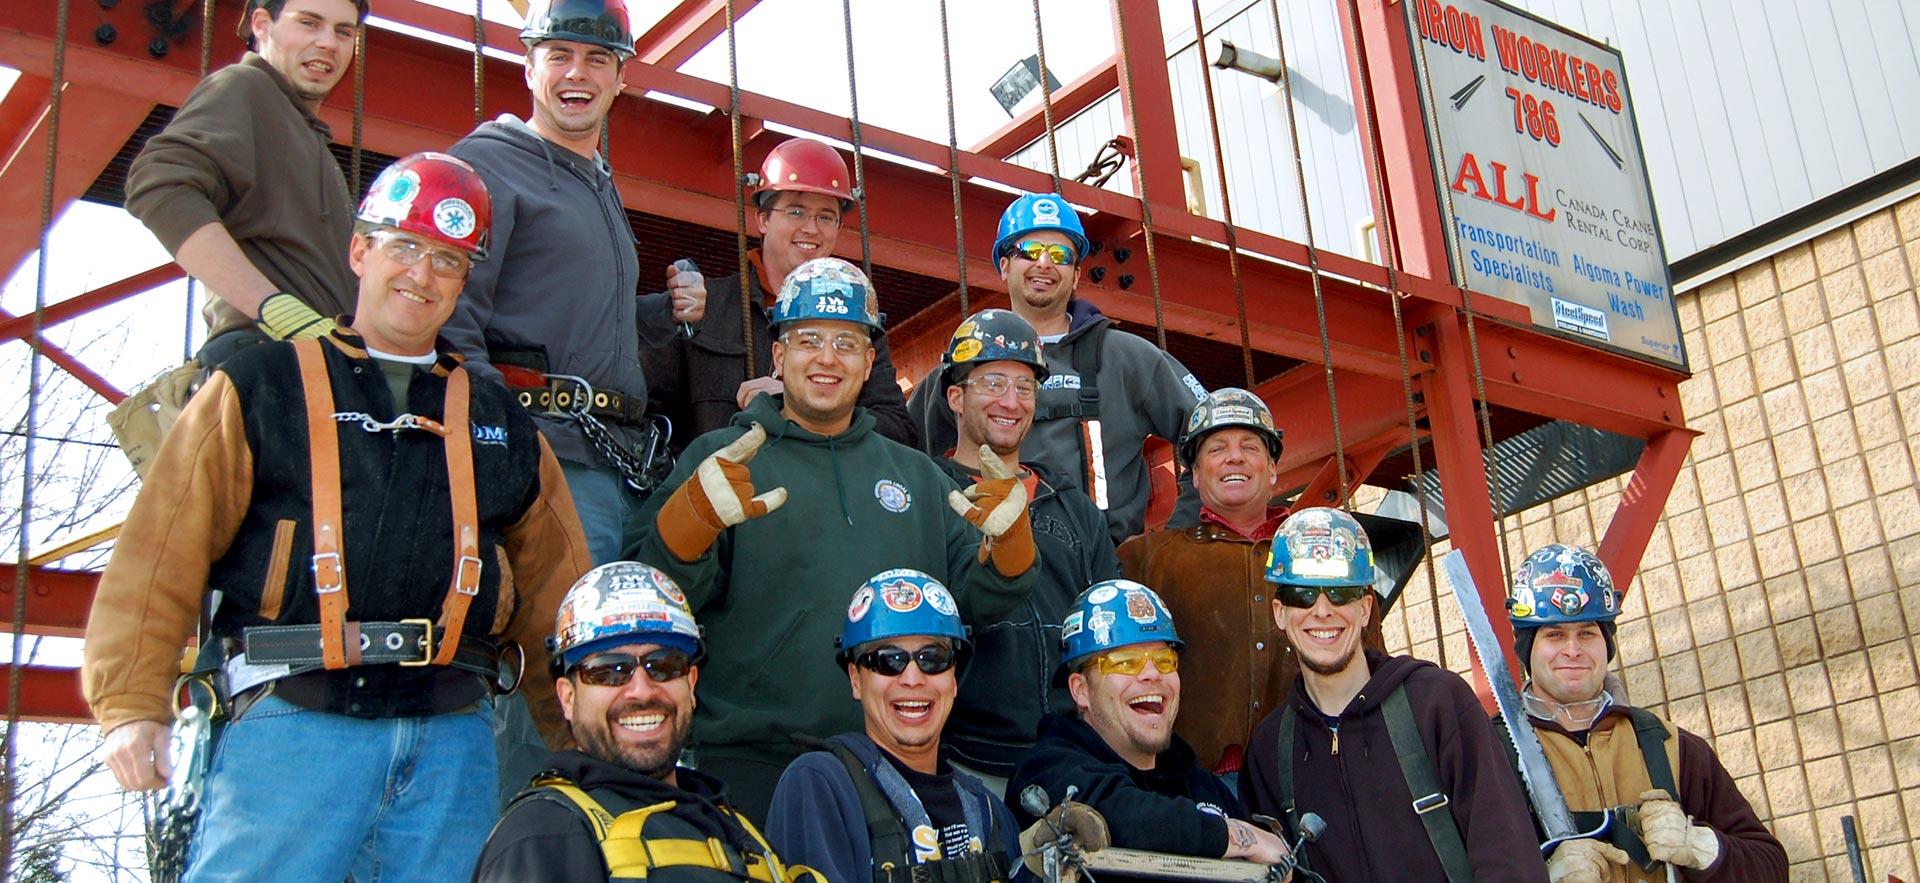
{"type": "Point", "coordinates": [560, 397]}
{"type": "Point", "coordinates": [409, 642]}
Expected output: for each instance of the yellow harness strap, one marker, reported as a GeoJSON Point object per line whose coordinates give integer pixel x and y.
{"type": "Point", "coordinates": [632, 856]}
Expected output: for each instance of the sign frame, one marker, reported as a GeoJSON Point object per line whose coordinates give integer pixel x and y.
{"type": "Point", "coordinates": [1443, 176]}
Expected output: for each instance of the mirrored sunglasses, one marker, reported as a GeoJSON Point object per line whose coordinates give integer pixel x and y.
{"type": "Point", "coordinates": [1060, 255]}
{"type": "Point", "coordinates": [616, 669]}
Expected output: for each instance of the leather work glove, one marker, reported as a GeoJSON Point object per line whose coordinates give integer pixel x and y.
{"type": "Point", "coordinates": [1672, 837]}
{"type": "Point", "coordinates": [1076, 820]}
{"type": "Point", "coordinates": [284, 317]}
{"type": "Point", "coordinates": [997, 505]}
{"type": "Point", "coordinates": [718, 495]}
{"type": "Point", "coordinates": [1584, 861]}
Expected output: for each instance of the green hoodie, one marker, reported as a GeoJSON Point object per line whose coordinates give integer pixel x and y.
{"type": "Point", "coordinates": [771, 594]}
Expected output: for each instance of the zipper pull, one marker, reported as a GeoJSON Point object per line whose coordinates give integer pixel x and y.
{"type": "Point", "coordinates": [1336, 741]}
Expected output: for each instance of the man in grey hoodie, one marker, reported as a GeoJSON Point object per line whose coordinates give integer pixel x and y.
{"type": "Point", "coordinates": [558, 304]}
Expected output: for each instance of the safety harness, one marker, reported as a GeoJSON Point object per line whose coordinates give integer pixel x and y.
{"type": "Point", "coordinates": [1086, 409]}
{"type": "Point", "coordinates": [1429, 802]}
{"type": "Point", "coordinates": [631, 854]}
{"type": "Point", "coordinates": [1651, 735]}
{"type": "Point", "coordinates": [344, 643]}
{"type": "Point", "coordinates": [886, 804]}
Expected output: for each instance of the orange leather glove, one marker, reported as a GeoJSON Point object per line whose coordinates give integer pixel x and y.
{"type": "Point", "coordinates": [998, 507]}
{"type": "Point", "coordinates": [718, 495]}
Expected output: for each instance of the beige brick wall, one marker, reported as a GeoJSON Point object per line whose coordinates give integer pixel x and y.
{"type": "Point", "coordinates": [1777, 609]}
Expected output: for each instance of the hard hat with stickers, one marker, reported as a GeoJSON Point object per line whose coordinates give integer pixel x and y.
{"type": "Point", "coordinates": [1223, 408]}
{"type": "Point", "coordinates": [1113, 613]}
{"type": "Point", "coordinates": [827, 288]}
{"type": "Point", "coordinates": [622, 602]}
{"type": "Point", "coordinates": [992, 336]}
{"type": "Point", "coordinates": [602, 23]}
{"type": "Point", "coordinates": [435, 196]}
{"type": "Point", "coordinates": [1034, 212]}
{"type": "Point", "coordinates": [1320, 546]}
{"type": "Point", "coordinates": [1561, 584]}
{"type": "Point", "coordinates": [895, 604]}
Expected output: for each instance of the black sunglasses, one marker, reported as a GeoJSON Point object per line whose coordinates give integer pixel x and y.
{"type": "Point", "coordinates": [616, 669]}
{"type": "Point", "coordinates": [1305, 596]}
{"type": "Point", "coordinates": [891, 661]}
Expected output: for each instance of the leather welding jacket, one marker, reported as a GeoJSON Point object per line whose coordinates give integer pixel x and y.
{"type": "Point", "coordinates": [228, 507]}
{"type": "Point", "coordinates": [1606, 769]}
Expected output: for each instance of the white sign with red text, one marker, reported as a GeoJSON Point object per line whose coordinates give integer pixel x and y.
{"type": "Point", "coordinates": [1540, 157]}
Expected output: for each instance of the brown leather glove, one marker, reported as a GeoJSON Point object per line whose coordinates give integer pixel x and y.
{"type": "Point", "coordinates": [718, 495]}
{"type": "Point", "coordinates": [1076, 820]}
{"type": "Point", "coordinates": [1584, 861]}
{"type": "Point", "coordinates": [997, 506]}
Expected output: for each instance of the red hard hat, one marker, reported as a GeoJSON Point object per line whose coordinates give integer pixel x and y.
{"type": "Point", "coordinates": [804, 165]}
{"type": "Point", "coordinates": [433, 195]}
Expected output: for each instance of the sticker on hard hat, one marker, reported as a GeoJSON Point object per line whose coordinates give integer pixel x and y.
{"type": "Point", "coordinates": [1320, 552]}
{"type": "Point", "coordinates": [1234, 414]}
{"type": "Point", "coordinates": [939, 600]}
{"type": "Point", "coordinates": [1102, 595]}
{"type": "Point", "coordinates": [1140, 607]}
{"type": "Point", "coordinates": [965, 330]}
{"type": "Point", "coordinates": [1102, 624]}
{"type": "Point", "coordinates": [862, 600]}
{"type": "Point", "coordinates": [672, 591]}
{"type": "Point", "coordinates": [393, 197]}
{"type": "Point", "coordinates": [892, 495]}
{"type": "Point", "coordinates": [1569, 600]}
{"type": "Point", "coordinates": [900, 596]}
{"type": "Point", "coordinates": [966, 350]}
{"type": "Point", "coordinates": [1046, 211]}
{"type": "Point", "coordinates": [454, 217]}
{"type": "Point", "coordinates": [1072, 626]}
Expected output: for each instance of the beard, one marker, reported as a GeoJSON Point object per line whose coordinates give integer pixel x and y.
{"type": "Point", "coordinates": [655, 761]}
{"type": "Point", "coordinates": [1333, 668]}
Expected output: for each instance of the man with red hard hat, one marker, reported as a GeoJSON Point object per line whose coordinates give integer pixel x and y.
{"type": "Point", "coordinates": [317, 511]}
{"type": "Point", "coordinates": [700, 381]}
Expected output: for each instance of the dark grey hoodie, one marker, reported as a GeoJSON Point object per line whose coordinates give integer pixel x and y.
{"type": "Point", "coordinates": [561, 274]}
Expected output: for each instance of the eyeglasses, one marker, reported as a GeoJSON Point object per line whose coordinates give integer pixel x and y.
{"type": "Point", "coordinates": [1132, 662]}
{"type": "Point", "coordinates": [1305, 596]}
{"type": "Point", "coordinates": [891, 661]}
{"type": "Point", "coordinates": [811, 342]}
{"type": "Point", "coordinates": [616, 669]}
{"type": "Point", "coordinates": [798, 217]}
{"type": "Point", "coordinates": [407, 251]}
{"type": "Point", "coordinates": [994, 386]}
{"type": "Point", "coordinates": [1058, 254]}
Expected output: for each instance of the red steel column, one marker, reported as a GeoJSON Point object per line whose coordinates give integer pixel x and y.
{"type": "Point", "coordinates": [1642, 504]}
{"type": "Point", "coordinates": [1149, 108]}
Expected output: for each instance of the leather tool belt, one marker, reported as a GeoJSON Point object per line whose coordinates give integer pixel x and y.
{"type": "Point", "coordinates": [409, 642]}
{"type": "Point", "coordinates": [559, 397]}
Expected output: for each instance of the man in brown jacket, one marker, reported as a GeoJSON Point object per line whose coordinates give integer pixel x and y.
{"type": "Point", "coordinates": [1213, 575]}
{"type": "Point", "coordinates": [242, 189]}
{"type": "Point", "coordinates": [318, 509]}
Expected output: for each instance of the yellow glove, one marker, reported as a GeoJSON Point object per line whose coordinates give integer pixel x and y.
{"type": "Point", "coordinates": [285, 317]}
{"type": "Point", "coordinates": [718, 495]}
{"type": "Point", "coordinates": [1583, 861]}
{"type": "Point", "coordinates": [1672, 837]}
{"type": "Point", "coordinates": [998, 507]}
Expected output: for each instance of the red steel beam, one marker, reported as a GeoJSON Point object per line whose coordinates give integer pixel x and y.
{"type": "Point", "coordinates": [1031, 124]}
{"type": "Point", "coordinates": [1324, 489]}
{"type": "Point", "coordinates": [1642, 503]}
{"type": "Point", "coordinates": [113, 292]}
{"type": "Point", "coordinates": [1376, 36]}
{"type": "Point", "coordinates": [50, 695]}
{"type": "Point", "coordinates": [686, 29]}
{"type": "Point", "coordinates": [95, 122]}
{"type": "Point", "coordinates": [1146, 97]}
{"type": "Point", "coordinates": [21, 109]}
{"type": "Point", "coordinates": [57, 600]}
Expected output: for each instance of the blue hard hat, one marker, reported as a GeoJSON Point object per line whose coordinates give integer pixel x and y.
{"type": "Point", "coordinates": [897, 603]}
{"type": "Point", "coordinates": [827, 288]}
{"type": "Point", "coordinates": [1561, 584]}
{"type": "Point", "coordinates": [1113, 613]}
{"type": "Point", "coordinates": [622, 602]}
{"type": "Point", "coordinates": [1039, 211]}
{"type": "Point", "coordinates": [1320, 546]}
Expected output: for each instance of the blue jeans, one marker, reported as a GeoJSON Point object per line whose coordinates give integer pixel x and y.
{"type": "Point", "coordinates": [609, 513]}
{"type": "Point", "coordinates": [298, 795]}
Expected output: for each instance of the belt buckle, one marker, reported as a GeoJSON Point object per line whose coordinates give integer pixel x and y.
{"type": "Point", "coordinates": [426, 639]}
{"type": "Point", "coordinates": [326, 573]}
{"type": "Point", "coordinates": [1429, 803]}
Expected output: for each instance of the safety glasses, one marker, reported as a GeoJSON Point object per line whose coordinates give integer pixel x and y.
{"type": "Point", "coordinates": [891, 661]}
{"type": "Point", "coordinates": [616, 669]}
{"type": "Point", "coordinates": [408, 251]}
{"type": "Point", "coordinates": [1305, 596]}
{"type": "Point", "coordinates": [1059, 254]}
{"type": "Point", "coordinates": [1132, 662]}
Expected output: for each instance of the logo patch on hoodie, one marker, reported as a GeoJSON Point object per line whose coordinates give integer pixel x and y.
{"type": "Point", "coordinates": [892, 495]}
